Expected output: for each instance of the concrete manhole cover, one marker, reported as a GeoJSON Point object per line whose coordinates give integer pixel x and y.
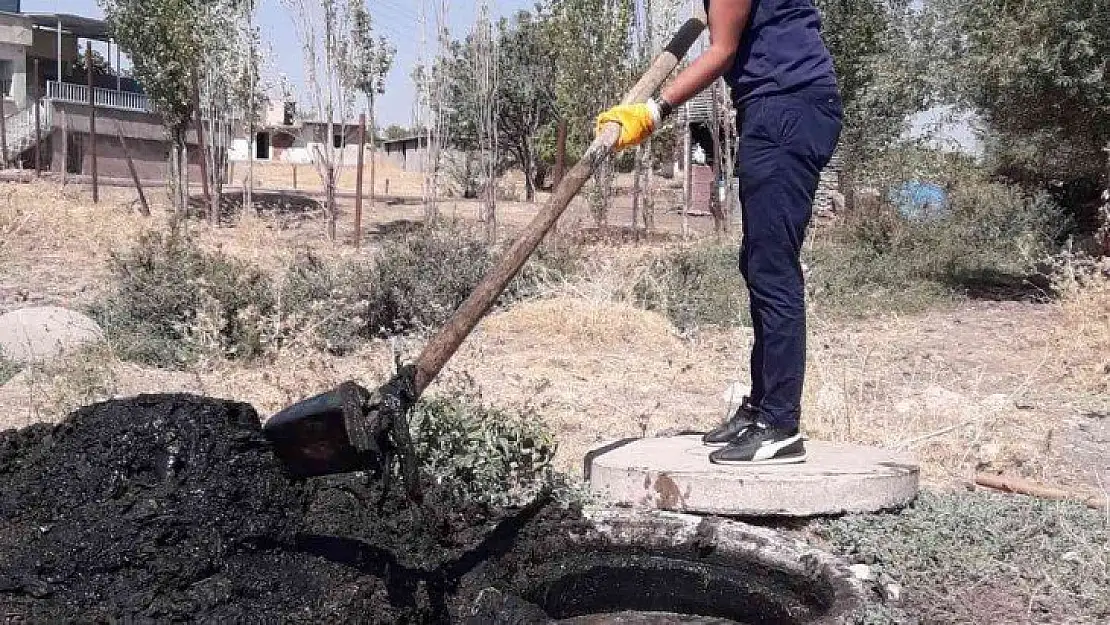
{"type": "Point", "coordinates": [674, 473]}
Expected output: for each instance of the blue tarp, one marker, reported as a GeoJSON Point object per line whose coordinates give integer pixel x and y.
{"type": "Point", "coordinates": [920, 200]}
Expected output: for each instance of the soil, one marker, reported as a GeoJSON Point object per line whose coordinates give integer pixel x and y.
{"type": "Point", "coordinates": [172, 507]}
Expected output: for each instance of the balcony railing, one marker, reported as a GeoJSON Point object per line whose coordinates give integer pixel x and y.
{"type": "Point", "coordinates": [107, 98]}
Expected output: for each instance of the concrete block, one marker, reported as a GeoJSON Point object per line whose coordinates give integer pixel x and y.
{"type": "Point", "coordinates": [674, 473]}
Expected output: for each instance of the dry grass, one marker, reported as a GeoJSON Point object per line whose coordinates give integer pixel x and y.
{"type": "Point", "coordinates": [1085, 333]}
{"type": "Point", "coordinates": [974, 387]}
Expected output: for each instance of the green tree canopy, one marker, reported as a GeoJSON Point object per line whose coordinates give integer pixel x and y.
{"type": "Point", "coordinates": [1039, 74]}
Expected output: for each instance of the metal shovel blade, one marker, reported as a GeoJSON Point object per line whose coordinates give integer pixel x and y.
{"type": "Point", "coordinates": [311, 437]}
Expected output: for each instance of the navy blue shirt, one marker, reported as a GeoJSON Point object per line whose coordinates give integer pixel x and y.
{"type": "Point", "coordinates": [781, 51]}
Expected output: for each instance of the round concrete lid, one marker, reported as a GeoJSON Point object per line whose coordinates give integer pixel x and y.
{"type": "Point", "coordinates": [674, 473]}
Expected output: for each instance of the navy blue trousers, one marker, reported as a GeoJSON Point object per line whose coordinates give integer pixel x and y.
{"type": "Point", "coordinates": [785, 141]}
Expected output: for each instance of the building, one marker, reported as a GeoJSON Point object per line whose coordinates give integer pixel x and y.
{"type": "Point", "coordinates": [282, 137]}
{"type": "Point", "coordinates": [406, 153]}
{"type": "Point", "coordinates": [46, 100]}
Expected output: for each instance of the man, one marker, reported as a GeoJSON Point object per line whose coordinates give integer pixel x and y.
{"type": "Point", "coordinates": [781, 77]}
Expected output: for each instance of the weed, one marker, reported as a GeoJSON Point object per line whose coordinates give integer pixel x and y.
{"type": "Point", "coordinates": [487, 455]}
{"type": "Point", "coordinates": [172, 302]}
{"type": "Point", "coordinates": [987, 243]}
{"type": "Point", "coordinates": [986, 558]}
{"type": "Point", "coordinates": [696, 286]}
{"type": "Point", "coordinates": [8, 368]}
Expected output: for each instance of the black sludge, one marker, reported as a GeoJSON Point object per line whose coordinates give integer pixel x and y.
{"type": "Point", "coordinates": [141, 508]}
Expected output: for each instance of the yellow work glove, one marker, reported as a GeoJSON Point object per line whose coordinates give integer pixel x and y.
{"type": "Point", "coordinates": [637, 122]}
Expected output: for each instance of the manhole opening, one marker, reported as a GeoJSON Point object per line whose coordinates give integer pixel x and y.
{"type": "Point", "coordinates": [624, 587]}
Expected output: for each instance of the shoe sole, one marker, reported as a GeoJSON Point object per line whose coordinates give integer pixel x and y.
{"type": "Point", "coordinates": [797, 459]}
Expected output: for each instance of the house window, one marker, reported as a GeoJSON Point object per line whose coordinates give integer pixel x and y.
{"type": "Point", "coordinates": [6, 71]}
{"type": "Point", "coordinates": [262, 146]}
{"type": "Point", "coordinates": [337, 141]}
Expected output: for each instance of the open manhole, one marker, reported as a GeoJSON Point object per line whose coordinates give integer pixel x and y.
{"type": "Point", "coordinates": [655, 568]}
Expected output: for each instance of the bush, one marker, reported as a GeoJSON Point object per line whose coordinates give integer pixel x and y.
{"type": "Point", "coordinates": [482, 454]}
{"type": "Point", "coordinates": [171, 302]}
{"type": "Point", "coordinates": [976, 558]}
{"type": "Point", "coordinates": [8, 368]}
{"type": "Point", "coordinates": [696, 286]}
{"type": "Point", "coordinates": [990, 239]}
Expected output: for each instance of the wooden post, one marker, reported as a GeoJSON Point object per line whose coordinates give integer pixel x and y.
{"type": "Point", "coordinates": [560, 152]}
{"type": "Point", "coordinates": [92, 120]}
{"type": "Point", "coordinates": [212, 216]}
{"type": "Point", "coordinates": [65, 148]}
{"type": "Point", "coordinates": [637, 171]}
{"type": "Point", "coordinates": [144, 207]}
{"type": "Point", "coordinates": [687, 175]}
{"type": "Point", "coordinates": [720, 218]}
{"type": "Point", "coordinates": [358, 179]}
{"type": "Point", "coordinates": [294, 176]}
{"type": "Point", "coordinates": [38, 120]}
{"type": "Point", "coordinates": [3, 137]}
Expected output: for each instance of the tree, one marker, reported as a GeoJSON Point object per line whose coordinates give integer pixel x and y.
{"type": "Point", "coordinates": [370, 61]}
{"type": "Point", "coordinates": [324, 29]}
{"type": "Point", "coordinates": [880, 72]}
{"type": "Point", "coordinates": [247, 89]}
{"type": "Point", "coordinates": [226, 86]}
{"type": "Point", "coordinates": [1039, 75]}
{"type": "Point", "coordinates": [591, 43]}
{"type": "Point", "coordinates": [164, 39]}
{"type": "Point", "coordinates": [100, 65]}
{"type": "Point", "coordinates": [395, 131]}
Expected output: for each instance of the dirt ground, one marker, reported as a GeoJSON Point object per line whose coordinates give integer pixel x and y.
{"type": "Point", "coordinates": [997, 386]}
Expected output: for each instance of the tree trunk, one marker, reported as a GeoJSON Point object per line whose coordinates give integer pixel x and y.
{"type": "Point", "coordinates": [529, 172]}
{"type": "Point", "coordinates": [1104, 230]}
{"type": "Point", "coordinates": [373, 155]}
{"type": "Point", "coordinates": [648, 209]}
{"type": "Point", "coordinates": [636, 173]}
{"type": "Point", "coordinates": [248, 192]}
{"type": "Point", "coordinates": [329, 182]}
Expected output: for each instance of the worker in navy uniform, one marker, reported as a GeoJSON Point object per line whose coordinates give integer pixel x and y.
{"type": "Point", "coordinates": [781, 78]}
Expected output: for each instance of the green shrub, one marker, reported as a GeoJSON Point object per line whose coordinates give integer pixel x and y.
{"type": "Point", "coordinates": [876, 260]}
{"type": "Point", "coordinates": [8, 368]}
{"type": "Point", "coordinates": [170, 302]}
{"type": "Point", "coordinates": [976, 558]}
{"type": "Point", "coordinates": [483, 454]}
{"type": "Point", "coordinates": [417, 280]}
{"type": "Point", "coordinates": [696, 286]}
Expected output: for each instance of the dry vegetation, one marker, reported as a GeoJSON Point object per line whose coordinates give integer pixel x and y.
{"type": "Point", "coordinates": [612, 339]}
{"type": "Point", "coordinates": [968, 386]}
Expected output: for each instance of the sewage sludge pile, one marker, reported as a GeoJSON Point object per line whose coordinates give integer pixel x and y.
{"type": "Point", "coordinates": [174, 508]}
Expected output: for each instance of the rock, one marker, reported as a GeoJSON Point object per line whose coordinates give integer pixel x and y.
{"type": "Point", "coordinates": [41, 333]}
{"type": "Point", "coordinates": [861, 571]}
{"type": "Point", "coordinates": [892, 593]}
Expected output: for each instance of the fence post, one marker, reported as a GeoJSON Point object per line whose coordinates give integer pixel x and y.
{"type": "Point", "coordinates": [38, 121]}
{"type": "Point", "coordinates": [358, 179]}
{"type": "Point", "coordinates": [92, 119]}
{"type": "Point", "coordinates": [65, 148]}
{"type": "Point", "coordinates": [560, 152]}
{"type": "Point", "coordinates": [3, 137]}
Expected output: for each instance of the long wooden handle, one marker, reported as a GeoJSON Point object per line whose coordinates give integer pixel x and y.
{"type": "Point", "coordinates": [444, 344]}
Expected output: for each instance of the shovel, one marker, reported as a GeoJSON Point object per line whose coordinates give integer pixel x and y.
{"type": "Point", "coordinates": [352, 429]}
